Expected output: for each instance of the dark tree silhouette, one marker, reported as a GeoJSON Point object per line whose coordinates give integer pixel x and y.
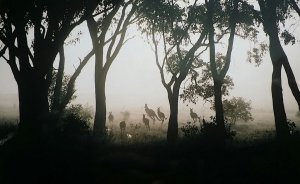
{"type": "Point", "coordinates": [59, 80]}
{"type": "Point", "coordinates": [104, 61]}
{"type": "Point", "coordinates": [169, 21]}
{"type": "Point", "coordinates": [270, 19]}
{"type": "Point", "coordinates": [62, 88]}
{"type": "Point", "coordinates": [50, 22]}
{"type": "Point", "coordinates": [218, 76]}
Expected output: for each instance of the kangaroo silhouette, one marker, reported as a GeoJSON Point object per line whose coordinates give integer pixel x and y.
{"type": "Point", "coordinates": [161, 115]}
{"type": "Point", "coordinates": [146, 122]}
{"type": "Point", "coordinates": [194, 116]}
{"type": "Point", "coordinates": [122, 127]}
{"type": "Point", "coordinates": [110, 117]}
{"type": "Point", "coordinates": [151, 113]}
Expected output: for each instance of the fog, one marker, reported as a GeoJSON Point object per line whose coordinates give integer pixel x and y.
{"type": "Point", "coordinates": [134, 80]}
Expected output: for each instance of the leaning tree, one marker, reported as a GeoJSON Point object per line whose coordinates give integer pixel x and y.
{"type": "Point", "coordinates": [273, 12]}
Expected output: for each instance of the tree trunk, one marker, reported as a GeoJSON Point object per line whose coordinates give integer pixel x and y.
{"type": "Point", "coordinates": [59, 82]}
{"type": "Point", "coordinates": [100, 114]}
{"type": "Point", "coordinates": [291, 80]}
{"type": "Point", "coordinates": [172, 133]}
{"type": "Point", "coordinates": [33, 105]}
{"type": "Point", "coordinates": [219, 109]}
{"type": "Point", "coordinates": [277, 53]}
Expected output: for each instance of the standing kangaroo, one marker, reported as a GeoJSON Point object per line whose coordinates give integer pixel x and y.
{"type": "Point", "coordinates": [151, 113]}
{"type": "Point", "coordinates": [194, 116]}
{"type": "Point", "coordinates": [146, 122]}
{"type": "Point", "coordinates": [110, 117]}
{"type": "Point", "coordinates": [122, 127]}
{"type": "Point", "coordinates": [161, 115]}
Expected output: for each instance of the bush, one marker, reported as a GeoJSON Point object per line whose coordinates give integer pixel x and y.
{"type": "Point", "coordinates": [210, 129]}
{"type": "Point", "coordinates": [190, 130]}
{"type": "Point", "coordinates": [292, 127]}
{"type": "Point", "coordinates": [76, 122]}
{"type": "Point", "coordinates": [207, 129]}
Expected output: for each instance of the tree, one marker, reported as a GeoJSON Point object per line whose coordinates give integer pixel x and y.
{"type": "Point", "coordinates": [50, 22]}
{"type": "Point", "coordinates": [201, 84]}
{"type": "Point", "coordinates": [104, 61]}
{"type": "Point", "coordinates": [226, 18]}
{"type": "Point", "coordinates": [174, 24]}
{"type": "Point", "coordinates": [219, 75]}
{"type": "Point", "coordinates": [270, 19]}
{"type": "Point", "coordinates": [237, 108]}
{"type": "Point", "coordinates": [62, 87]}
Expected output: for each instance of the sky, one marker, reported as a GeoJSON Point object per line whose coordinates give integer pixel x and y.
{"type": "Point", "coordinates": [134, 80]}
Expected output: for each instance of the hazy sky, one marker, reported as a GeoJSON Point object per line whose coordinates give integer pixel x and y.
{"type": "Point", "coordinates": [134, 80]}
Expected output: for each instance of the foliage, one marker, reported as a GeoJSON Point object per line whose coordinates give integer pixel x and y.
{"type": "Point", "coordinates": [237, 108]}
{"type": "Point", "coordinates": [288, 37]}
{"type": "Point", "coordinates": [292, 127]}
{"type": "Point", "coordinates": [64, 88]}
{"type": "Point", "coordinates": [202, 84]}
{"type": "Point", "coordinates": [207, 129]}
{"type": "Point", "coordinates": [256, 54]}
{"type": "Point", "coordinates": [84, 113]}
{"type": "Point", "coordinates": [210, 129]}
{"type": "Point", "coordinates": [190, 130]}
{"type": "Point", "coordinates": [76, 121]}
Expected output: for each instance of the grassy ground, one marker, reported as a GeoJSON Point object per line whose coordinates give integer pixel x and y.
{"type": "Point", "coordinates": [86, 160]}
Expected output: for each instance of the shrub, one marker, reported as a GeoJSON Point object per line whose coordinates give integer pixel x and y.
{"type": "Point", "coordinates": [292, 127]}
{"type": "Point", "coordinates": [209, 129]}
{"type": "Point", "coordinates": [76, 121]}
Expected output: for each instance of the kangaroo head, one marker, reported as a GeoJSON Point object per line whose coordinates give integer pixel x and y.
{"type": "Point", "coordinates": [191, 109]}
{"type": "Point", "coordinates": [146, 106]}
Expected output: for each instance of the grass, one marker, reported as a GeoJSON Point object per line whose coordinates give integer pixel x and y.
{"type": "Point", "coordinates": [147, 158]}
{"type": "Point", "coordinates": [7, 127]}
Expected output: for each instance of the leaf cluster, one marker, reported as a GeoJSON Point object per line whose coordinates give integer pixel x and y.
{"type": "Point", "coordinates": [202, 84]}
{"type": "Point", "coordinates": [237, 108]}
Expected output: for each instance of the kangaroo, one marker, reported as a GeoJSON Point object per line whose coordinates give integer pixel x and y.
{"type": "Point", "coordinates": [194, 116]}
{"type": "Point", "coordinates": [161, 115]}
{"type": "Point", "coordinates": [122, 127]}
{"type": "Point", "coordinates": [110, 117]}
{"type": "Point", "coordinates": [146, 122]}
{"type": "Point", "coordinates": [151, 113]}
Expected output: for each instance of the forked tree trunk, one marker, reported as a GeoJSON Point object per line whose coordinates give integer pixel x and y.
{"type": "Point", "coordinates": [268, 11]}
{"type": "Point", "coordinates": [277, 53]}
{"type": "Point", "coordinates": [219, 109]}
